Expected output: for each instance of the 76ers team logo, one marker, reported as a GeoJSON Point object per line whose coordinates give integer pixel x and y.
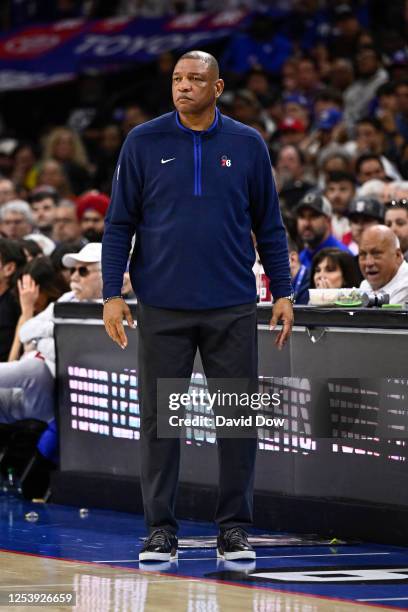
{"type": "Point", "coordinates": [225, 162]}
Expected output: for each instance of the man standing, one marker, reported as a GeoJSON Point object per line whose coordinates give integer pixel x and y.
{"type": "Point", "coordinates": [191, 185]}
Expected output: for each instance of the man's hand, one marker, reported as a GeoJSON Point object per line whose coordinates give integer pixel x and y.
{"type": "Point", "coordinates": [114, 312]}
{"type": "Point", "coordinates": [282, 310]}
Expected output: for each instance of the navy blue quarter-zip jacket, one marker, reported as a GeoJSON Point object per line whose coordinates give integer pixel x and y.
{"type": "Point", "coordinates": [192, 198]}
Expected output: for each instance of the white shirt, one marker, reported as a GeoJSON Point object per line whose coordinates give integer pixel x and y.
{"type": "Point", "coordinates": [397, 288]}
{"type": "Point", "coordinates": [40, 329]}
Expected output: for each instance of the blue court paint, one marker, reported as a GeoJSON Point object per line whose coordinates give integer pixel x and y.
{"type": "Point", "coordinates": [113, 538]}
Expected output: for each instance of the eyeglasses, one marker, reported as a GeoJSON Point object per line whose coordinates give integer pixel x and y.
{"type": "Point", "coordinates": [83, 271]}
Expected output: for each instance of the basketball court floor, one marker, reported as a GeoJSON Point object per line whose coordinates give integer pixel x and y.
{"type": "Point", "coordinates": [92, 555]}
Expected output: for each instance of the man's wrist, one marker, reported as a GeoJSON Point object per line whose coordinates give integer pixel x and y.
{"type": "Point", "coordinates": [112, 297]}
{"type": "Point", "coordinates": [290, 297]}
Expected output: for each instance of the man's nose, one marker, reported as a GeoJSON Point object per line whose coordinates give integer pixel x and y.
{"type": "Point", "coordinates": [184, 85]}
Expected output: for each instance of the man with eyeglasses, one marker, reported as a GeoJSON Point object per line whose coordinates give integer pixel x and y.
{"type": "Point", "coordinates": [27, 385]}
{"type": "Point", "coordinates": [16, 219]}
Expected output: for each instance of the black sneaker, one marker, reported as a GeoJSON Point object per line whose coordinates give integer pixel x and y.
{"type": "Point", "coordinates": [233, 544]}
{"type": "Point", "coordinates": [161, 545]}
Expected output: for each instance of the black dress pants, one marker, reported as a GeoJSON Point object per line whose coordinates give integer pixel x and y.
{"type": "Point", "coordinates": [168, 341]}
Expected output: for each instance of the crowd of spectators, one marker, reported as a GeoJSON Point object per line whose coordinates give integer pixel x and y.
{"type": "Point", "coordinates": [330, 99]}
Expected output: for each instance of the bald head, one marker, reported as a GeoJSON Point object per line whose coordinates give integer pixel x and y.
{"type": "Point", "coordinates": [383, 234]}
{"type": "Point", "coordinates": [380, 255]}
{"type": "Point", "coordinates": [196, 87]}
{"type": "Point", "coordinates": [205, 57]}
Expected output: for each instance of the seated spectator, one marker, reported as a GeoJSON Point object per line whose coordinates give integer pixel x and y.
{"type": "Point", "coordinates": [368, 167]}
{"type": "Point", "coordinates": [382, 264]}
{"type": "Point", "coordinates": [24, 169]}
{"type": "Point", "coordinates": [291, 131]}
{"type": "Point", "coordinates": [12, 259]}
{"type": "Point", "coordinates": [370, 139]}
{"type": "Point", "coordinates": [65, 146]}
{"type": "Point", "coordinates": [299, 274]}
{"type": "Point", "coordinates": [401, 90]}
{"type": "Point", "coordinates": [106, 157]}
{"type": "Point", "coordinates": [370, 75]}
{"type": "Point", "coordinates": [334, 269]}
{"type": "Point", "coordinates": [340, 190]}
{"type": "Point", "coordinates": [58, 254]}
{"type": "Point", "coordinates": [27, 386]}
{"type": "Point", "coordinates": [314, 214]}
{"type": "Point", "coordinates": [290, 176]}
{"type": "Point", "coordinates": [16, 220]}
{"type": "Point", "coordinates": [396, 218]}
{"type": "Point", "coordinates": [374, 188]}
{"type": "Point", "coordinates": [363, 213]}
{"type": "Point", "coordinates": [31, 249]}
{"type": "Point", "coordinates": [261, 46]}
{"type": "Point", "coordinates": [52, 173]}
{"type": "Point", "coordinates": [38, 285]}
{"type": "Point", "coordinates": [92, 208]}
{"type": "Point", "coordinates": [332, 159]}
{"type": "Point", "coordinates": [44, 200]}
{"type": "Point", "coordinates": [66, 223]}
{"type": "Point", "coordinates": [46, 244]}
{"type": "Point", "coordinates": [7, 191]}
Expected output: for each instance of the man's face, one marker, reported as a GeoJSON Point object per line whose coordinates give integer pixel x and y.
{"type": "Point", "coordinates": [307, 75]}
{"type": "Point", "coordinates": [289, 165]}
{"type": "Point", "coordinates": [340, 194]}
{"type": "Point", "coordinates": [397, 220]}
{"type": "Point", "coordinates": [291, 137]}
{"type": "Point", "coordinates": [378, 260]}
{"type": "Point", "coordinates": [358, 223]}
{"type": "Point", "coordinates": [402, 99]}
{"type": "Point", "coordinates": [44, 213]}
{"type": "Point", "coordinates": [367, 62]}
{"type": "Point", "coordinates": [368, 138]}
{"type": "Point", "coordinates": [92, 225]}
{"type": "Point", "coordinates": [312, 227]}
{"type": "Point", "coordinates": [195, 86]}
{"type": "Point", "coordinates": [371, 169]}
{"type": "Point", "coordinates": [86, 281]}
{"type": "Point", "coordinates": [15, 225]}
{"type": "Point", "coordinates": [66, 224]}
{"type": "Point", "coordinates": [7, 191]}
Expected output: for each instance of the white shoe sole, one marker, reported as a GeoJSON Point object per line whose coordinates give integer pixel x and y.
{"type": "Point", "coordinates": [152, 556]}
{"type": "Point", "coordinates": [249, 555]}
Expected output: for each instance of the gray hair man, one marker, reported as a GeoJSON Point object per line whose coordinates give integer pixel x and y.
{"type": "Point", "coordinates": [16, 219]}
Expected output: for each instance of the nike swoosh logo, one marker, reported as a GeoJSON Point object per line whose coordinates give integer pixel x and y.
{"type": "Point", "coordinates": [164, 161]}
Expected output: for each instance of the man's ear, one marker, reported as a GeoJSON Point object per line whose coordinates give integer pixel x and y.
{"type": "Point", "coordinates": [219, 87]}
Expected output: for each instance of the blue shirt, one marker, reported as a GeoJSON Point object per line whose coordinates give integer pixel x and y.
{"type": "Point", "coordinates": [192, 198]}
{"type": "Point", "coordinates": [307, 255]}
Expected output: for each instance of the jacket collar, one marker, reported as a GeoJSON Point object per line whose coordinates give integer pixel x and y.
{"type": "Point", "coordinates": [213, 127]}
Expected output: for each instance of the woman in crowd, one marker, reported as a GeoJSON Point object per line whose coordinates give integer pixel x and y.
{"type": "Point", "coordinates": [334, 269]}
{"type": "Point", "coordinates": [65, 146]}
{"type": "Point", "coordinates": [39, 285]}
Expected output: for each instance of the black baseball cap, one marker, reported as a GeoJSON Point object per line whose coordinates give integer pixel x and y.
{"type": "Point", "coordinates": [369, 207]}
{"type": "Point", "coordinates": [317, 202]}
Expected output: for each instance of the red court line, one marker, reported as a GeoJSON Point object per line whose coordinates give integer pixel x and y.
{"type": "Point", "coordinates": [206, 580]}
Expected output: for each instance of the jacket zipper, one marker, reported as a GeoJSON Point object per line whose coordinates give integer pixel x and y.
{"type": "Point", "coordinates": [197, 164]}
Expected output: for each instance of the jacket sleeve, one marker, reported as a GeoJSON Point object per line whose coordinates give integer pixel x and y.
{"type": "Point", "coordinates": [267, 224]}
{"type": "Point", "coordinates": [122, 217]}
